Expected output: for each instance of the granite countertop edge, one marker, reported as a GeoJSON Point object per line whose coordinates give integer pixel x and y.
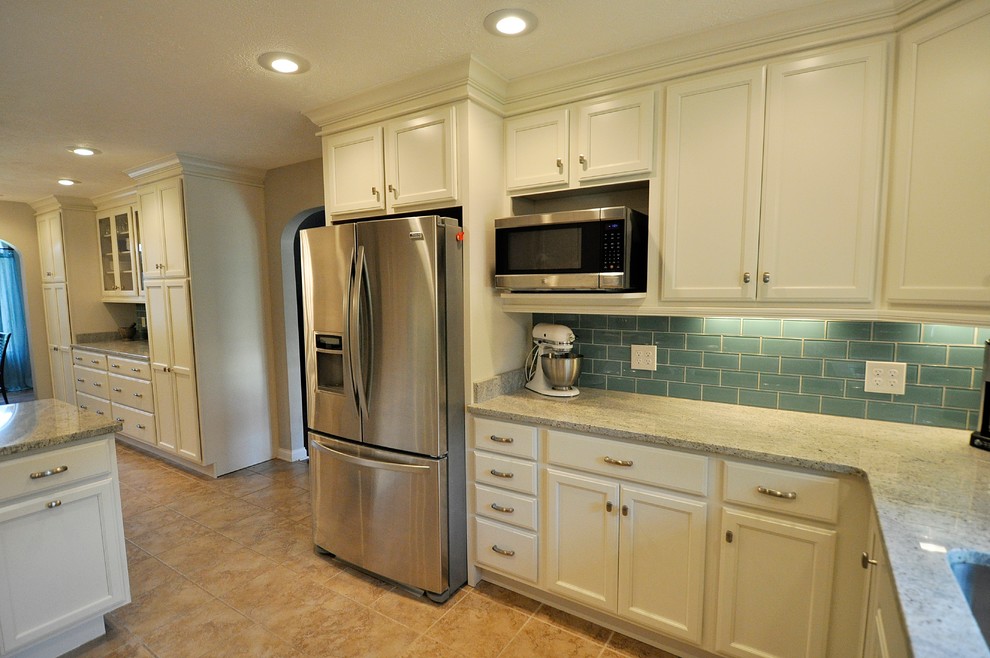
{"type": "Point", "coordinates": [926, 483]}
{"type": "Point", "coordinates": [125, 349]}
{"type": "Point", "coordinates": [48, 424]}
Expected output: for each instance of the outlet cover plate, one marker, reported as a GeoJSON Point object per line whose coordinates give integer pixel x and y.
{"type": "Point", "coordinates": [885, 377]}
{"type": "Point", "coordinates": [643, 357]}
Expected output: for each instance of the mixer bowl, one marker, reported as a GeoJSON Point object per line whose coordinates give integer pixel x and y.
{"type": "Point", "coordinates": [561, 370]}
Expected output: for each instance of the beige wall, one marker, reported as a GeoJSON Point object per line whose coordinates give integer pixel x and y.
{"type": "Point", "coordinates": [289, 191]}
{"type": "Point", "coordinates": [18, 227]}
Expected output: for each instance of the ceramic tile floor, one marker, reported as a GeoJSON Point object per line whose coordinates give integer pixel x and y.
{"type": "Point", "coordinates": [226, 567]}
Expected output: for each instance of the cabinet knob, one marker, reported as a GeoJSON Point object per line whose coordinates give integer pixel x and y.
{"type": "Point", "coordinates": [747, 277]}
{"type": "Point", "coordinates": [608, 506]}
{"type": "Point", "coordinates": [729, 536]}
{"type": "Point", "coordinates": [766, 277]}
{"type": "Point", "coordinates": [583, 160]}
{"type": "Point", "coordinates": [625, 510]}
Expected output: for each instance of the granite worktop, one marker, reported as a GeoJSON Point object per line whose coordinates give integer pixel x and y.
{"type": "Point", "coordinates": [928, 485]}
{"type": "Point", "coordinates": [126, 349]}
{"type": "Point", "coordinates": [47, 424]}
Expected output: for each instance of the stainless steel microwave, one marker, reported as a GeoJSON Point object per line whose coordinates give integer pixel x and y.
{"type": "Point", "coordinates": [600, 249]}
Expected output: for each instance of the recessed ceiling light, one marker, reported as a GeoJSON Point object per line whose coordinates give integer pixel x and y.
{"type": "Point", "coordinates": [67, 181]}
{"type": "Point", "coordinates": [82, 150]}
{"type": "Point", "coordinates": [283, 63]}
{"type": "Point", "coordinates": [510, 22]}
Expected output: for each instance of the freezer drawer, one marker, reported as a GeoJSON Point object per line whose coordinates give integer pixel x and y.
{"type": "Point", "coordinates": [382, 511]}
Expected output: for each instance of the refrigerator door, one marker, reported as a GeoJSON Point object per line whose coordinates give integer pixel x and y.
{"type": "Point", "coordinates": [327, 258]}
{"type": "Point", "coordinates": [382, 511]}
{"type": "Point", "coordinates": [403, 311]}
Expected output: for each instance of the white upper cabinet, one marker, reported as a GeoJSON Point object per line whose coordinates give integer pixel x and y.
{"type": "Point", "coordinates": [712, 178]}
{"type": "Point", "coordinates": [50, 246]}
{"type": "Point", "coordinates": [774, 195]}
{"type": "Point", "coordinates": [163, 229]}
{"type": "Point", "coordinates": [939, 225]}
{"type": "Point", "coordinates": [410, 161]}
{"type": "Point", "coordinates": [610, 138]}
{"type": "Point", "coordinates": [118, 242]}
{"type": "Point", "coordinates": [536, 150]}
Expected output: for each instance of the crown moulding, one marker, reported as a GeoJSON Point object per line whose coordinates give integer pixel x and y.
{"type": "Point", "coordinates": [178, 164]}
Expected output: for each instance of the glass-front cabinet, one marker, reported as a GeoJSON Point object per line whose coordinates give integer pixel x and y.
{"type": "Point", "coordinates": [119, 255]}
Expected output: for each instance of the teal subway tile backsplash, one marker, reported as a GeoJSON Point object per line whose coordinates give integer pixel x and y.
{"type": "Point", "coordinates": [811, 366]}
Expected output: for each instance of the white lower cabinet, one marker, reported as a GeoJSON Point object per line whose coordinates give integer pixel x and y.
{"type": "Point", "coordinates": [885, 633]}
{"type": "Point", "coordinates": [603, 543]}
{"type": "Point", "coordinates": [774, 586]}
{"type": "Point", "coordinates": [732, 558]}
{"type": "Point", "coordinates": [61, 546]}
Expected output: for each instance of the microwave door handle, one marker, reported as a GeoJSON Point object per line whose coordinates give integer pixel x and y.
{"type": "Point", "coordinates": [355, 340]}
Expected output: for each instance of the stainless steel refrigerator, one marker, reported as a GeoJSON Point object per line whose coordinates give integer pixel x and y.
{"type": "Point", "coordinates": [385, 400]}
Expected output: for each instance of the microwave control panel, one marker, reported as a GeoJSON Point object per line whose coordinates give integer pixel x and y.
{"type": "Point", "coordinates": [613, 239]}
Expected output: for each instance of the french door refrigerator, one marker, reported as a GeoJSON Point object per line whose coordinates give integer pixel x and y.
{"type": "Point", "coordinates": [383, 319]}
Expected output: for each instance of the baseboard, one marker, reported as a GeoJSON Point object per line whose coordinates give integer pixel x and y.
{"type": "Point", "coordinates": [292, 455]}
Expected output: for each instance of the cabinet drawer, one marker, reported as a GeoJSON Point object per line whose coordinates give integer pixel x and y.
{"type": "Point", "coordinates": [505, 506]}
{"type": "Point", "coordinates": [91, 382]}
{"type": "Point", "coordinates": [89, 359]}
{"type": "Point", "coordinates": [119, 366]}
{"type": "Point", "coordinates": [505, 549]}
{"type": "Point", "coordinates": [55, 468]}
{"type": "Point", "coordinates": [506, 438]}
{"type": "Point", "coordinates": [640, 463]}
{"type": "Point", "coordinates": [800, 494]}
{"type": "Point", "coordinates": [505, 472]}
{"type": "Point", "coordinates": [98, 406]}
{"type": "Point", "coordinates": [131, 393]}
{"type": "Point", "coordinates": [137, 424]}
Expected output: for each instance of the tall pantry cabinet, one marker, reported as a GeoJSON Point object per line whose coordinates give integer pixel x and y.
{"type": "Point", "coordinates": [68, 220]}
{"type": "Point", "coordinates": [201, 227]}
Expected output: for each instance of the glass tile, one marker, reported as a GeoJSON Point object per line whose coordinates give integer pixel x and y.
{"type": "Point", "coordinates": [570, 319]}
{"type": "Point", "coordinates": [897, 332]}
{"type": "Point", "coordinates": [794, 366]}
{"type": "Point", "coordinates": [804, 329]}
{"type": "Point", "coordinates": [848, 330]}
{"type": "Point", "coordinates": [720, 394]}
{"type": "Point", "coordinates": [891, 411]}
{"type": "Point", "coordinates": [740, 379]}
{"type": "Point", "coordinates": [741, 344]}
{"type": "Point", "coordinates": [607, 367]}
{"type": "Point", "coordinates": [929, 354]}
{"type": "Point", "coordinates": [846, 369]}
{"type": "Point", "coordinates": [823, 386]}
{"type": "Point", "coordinates": [795, 402]}
{"type": "Point", "coordinates": [593, 322]}
{"type": "Point", "coordinates": [687, 325]}
{"type": "Point", "coordinates": [651, 387]}
{"type": "Point", "coordinates": [758, 327]}
{"type": "Point", "coordinates": [750, 398]}
{"type": "Point", "coordinates": [622, 322]}
{"type": "Point", "coordinates": [670, 340]}
{"type": "Point", "coordinates": [701, 376]}
{"type": "Point", "coordinates": [621, 384]}
{"type": "Point", "coordinates": [683, 358]}
{"type": "Point", "coordinates": [841, 407]}
{"type": "Point", "coordinates": [833, 349]}
{"type": "Point", "coordinates": [704, 343]}
{"type": "Point", "coordinates": [721, 361]}
{"type": "Point", "coordinates": [857, 390]}
{"type": "Point", "coordinates": [963, 398]}
{"type": "Point", "coordinates": [788, 383]}
{"type": "Point", "coordinates": [689, 391]}
{"type": "Point", "coordinates": [930, 395]}
{"type": "Point", "coordinates": [954, 418]}
{"type": "Point", "coordinates": [966, 356]}
{"type": "Point", "coordinates": [781, 346]}
{"type": "Point", "coordinates": [941, 376]}
{"type": "Point", "coordinates": [618, 352]}
{"type": "Point", "coordinates": [669, 373]}
{"type": "Point", "coordinates": [723, 326]}
{"type": "Point", "coordinates": [653, 323]}
{"type": "Point", "coordinates": [873, 351]}
{"type": "Point", "coordinates": [637, 337]}
{"type": "Point", "coordinates": [590, 380]}
{"type": "Point", "coordinates": [606, 337]}
{"type": "Point", "coordinates": [947, 333]}
{"type": "Point", "coordinates": [759, 363]}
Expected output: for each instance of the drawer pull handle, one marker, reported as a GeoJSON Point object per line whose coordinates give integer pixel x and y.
{"type": "Point", "coordinates": [116, 389]}
{"type": "Point", "coordinates": [80, 379]}
{"type": "Point", "coordinates": [135, 370]}
{"type": "Point", "coordinates": [618, 462]}
{"type": "Point", "coordinates": [79, 358]}
{"type": "Point", "coordinates": [501, 474]}
{"type": "Point", "coordinates": [54, 504]}
{"type": "Point", "coordinates": [97, 384]}
{"type": "Point", "coordinates": [503, 551]}
{"type": "Point", "coordinates": [83, 406]}
{"type": "Point", "coordinates": [138, 395]}
{"type": "Point", "coordinates": [119, 419]}
{"type": "Point", "coordinates": [502, 439]}
{"type": "Point", "coordinates": [99, 413]}
{"type": "Point", "coordinates": [789, 495]}
{"type": "Point", "coordinates": [504, 510]}
{"type": "Point", "coordinates": [114, 365]}
{"type": "Point", "coordinates": [866, 561]}
{"type": "Point", "coordinates": [52, 471]}
{"type": "Point", "coordinates": [94, 360]}
{"type": "Point", "coordinates": [139, 426]}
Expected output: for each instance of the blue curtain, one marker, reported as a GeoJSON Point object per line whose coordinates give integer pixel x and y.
{"type": "Point", "coordinates": [17, 372]}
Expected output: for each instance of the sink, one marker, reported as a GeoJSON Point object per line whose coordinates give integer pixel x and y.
{"type": "Point", "coordinates": [972, 571]}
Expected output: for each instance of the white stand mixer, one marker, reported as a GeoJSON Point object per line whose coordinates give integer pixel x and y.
{"type": "Point", "coordinates": [551, 368]}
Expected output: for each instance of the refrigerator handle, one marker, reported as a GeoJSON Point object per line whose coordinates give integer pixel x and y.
{"type": "Point", "coordinates": [373, 463]}
{"type": "Point", "coordinates": [354, 339]}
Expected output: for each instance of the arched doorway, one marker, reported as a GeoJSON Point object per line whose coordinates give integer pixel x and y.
{"type": "Point", "coordinates": [292, 316]}
{"type": "Point", "coordinates": [13, 320]}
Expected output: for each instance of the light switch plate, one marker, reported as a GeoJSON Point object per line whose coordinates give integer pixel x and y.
{"type": "Point", "coordinates": [644, 357]}
{"type": "Point", "coordinates": [885, 377]}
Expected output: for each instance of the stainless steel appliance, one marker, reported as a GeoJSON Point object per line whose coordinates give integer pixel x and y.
{"type": "Point", "coordinates": [981, 437]}
{"type": "Point", "coordinates": [551, 368]}
{"type": "Point", "coordinates": [602, 249]}
{"type": "Point", "coordinates": [384, 372]}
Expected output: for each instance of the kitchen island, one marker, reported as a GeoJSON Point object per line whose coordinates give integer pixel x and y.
{"type": "Point", "coordinates": [62, 555]}
{"type": "Point", "coordinates": [930, 489]}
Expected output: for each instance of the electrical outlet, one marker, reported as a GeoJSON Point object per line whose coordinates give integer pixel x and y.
{"type": "Point", "coordinates": [885, 377]}
{"type": "Point", "coordinates": [644, 357]}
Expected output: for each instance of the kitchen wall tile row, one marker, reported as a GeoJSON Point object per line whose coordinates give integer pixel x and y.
{"type": "Point", "coordinates": [814, 366]}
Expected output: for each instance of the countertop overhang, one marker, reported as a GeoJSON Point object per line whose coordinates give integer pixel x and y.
{"type": "Point", "coordinates": [930, 488]}
{"type": "Point", "coordinates": [47, 424]}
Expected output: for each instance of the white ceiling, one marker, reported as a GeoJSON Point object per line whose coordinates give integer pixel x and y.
{"type": "Point", "coordinates": [140, 79]}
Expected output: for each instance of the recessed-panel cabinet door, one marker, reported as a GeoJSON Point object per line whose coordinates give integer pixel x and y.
{"type": "Point", "coordinates": [183, 369]}
{"type": "Point", "coordinates": [615, 136]}
{"type": "Point", "coordinates": [583, 538]}
{"type": "Point", "coordinates": [536, 150]}
{"type": "Point", "coordinates": [420, 159]}
{"type": "Point", "coordinates": [712, 176]}
{"type": "Point", "coordinates": [821, 187]}
{"type": "Point", "coordinates": [354, 171]}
